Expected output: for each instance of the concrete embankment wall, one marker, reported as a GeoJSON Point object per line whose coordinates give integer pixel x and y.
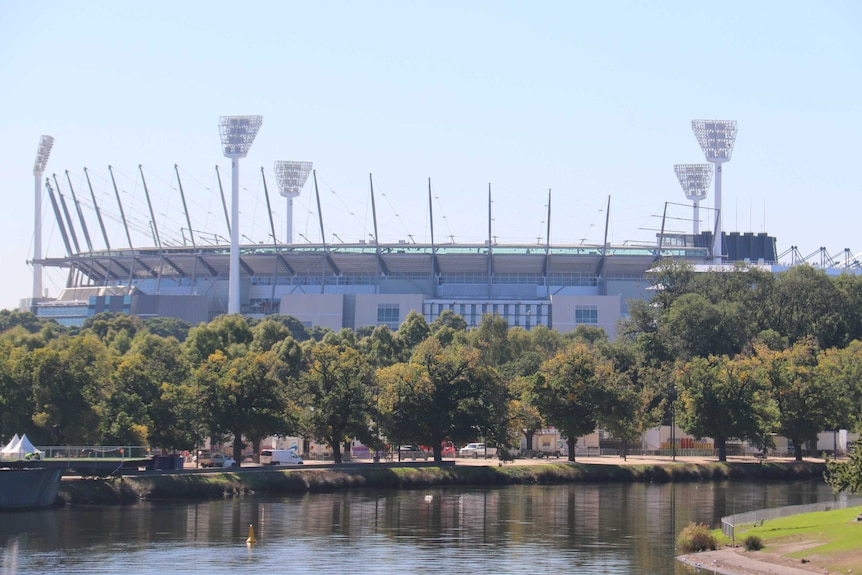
{"type": "Point", "coordinates": [218, 484]}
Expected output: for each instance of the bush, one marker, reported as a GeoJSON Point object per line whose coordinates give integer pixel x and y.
{"type": "Point", "coordinates": [696, 537]}
{"type": "Point", "coordinates": [753, 543]}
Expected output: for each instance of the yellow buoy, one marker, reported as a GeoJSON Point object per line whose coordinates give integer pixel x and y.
{"type": "Point", "coordinates": [251, 540]}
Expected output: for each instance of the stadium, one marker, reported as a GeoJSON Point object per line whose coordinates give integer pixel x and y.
{"type": "Point", "coordinates": [197, 274]}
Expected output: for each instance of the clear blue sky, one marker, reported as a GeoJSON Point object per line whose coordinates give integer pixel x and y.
{"type": "Point", "coordinates": [589, 99]}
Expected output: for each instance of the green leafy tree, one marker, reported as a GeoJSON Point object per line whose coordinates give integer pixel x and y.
{"type": "Point", "coordinates": [443, 393]}
{"type": "Point", "coordinates": [337, 387]}
{"type": "Point", "coordinates": [805, 401]}
{"type": "Point", "coordinates": [243, 395]}
{"type": "Point", "coordinates": [807, 303]}
{"type": "Point", "coordinates": [846, 475]}
{"type": "Point", "coordinates": [724, 398]}
{"type": "Point", "coordinates": [412, 331]}
{"type": "Point", "coordinates": [840, 373]}
{"type": "Point", "coordinates": [229, 334]}
{"type": "Point", "coordinates": [16, 390]}
{"type": "Point", "coordinates": [168, 327]}
{"type": "Point", "coordinates": [635, 394]}
{"type": "Point", "coordinates": [68, 380]}
{"type": "Point", "coordinates": [570, 391]}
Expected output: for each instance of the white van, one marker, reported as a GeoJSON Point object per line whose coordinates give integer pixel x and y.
{"type": "Point", "coordinates": [280, 457]}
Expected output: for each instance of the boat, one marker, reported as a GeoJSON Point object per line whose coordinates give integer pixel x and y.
{"type": "Point", "coordinates": [28, 487]}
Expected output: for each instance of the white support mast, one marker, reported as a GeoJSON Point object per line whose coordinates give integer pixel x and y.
{"type": "Point", "coordinates": [42, 154]}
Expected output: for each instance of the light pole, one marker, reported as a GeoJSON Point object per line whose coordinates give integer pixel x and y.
{"type": "Point", "coordinates": [673, 423]}
{"type": "Point", "coordinates": [716, 139]}
{"type": "Point", "coordinates": [237, 135]}
{"type": "Point", "coordinates": [695, 180]}
{"type": "Point", "coordinates": [291, 177]}
{"type": "Point", "coordinates": [42, 154]}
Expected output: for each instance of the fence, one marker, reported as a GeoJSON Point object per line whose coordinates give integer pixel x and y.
{"type": "Point", "coordinates": [731, 522]}
{"type": "Point", "coordinates": [118, 452]}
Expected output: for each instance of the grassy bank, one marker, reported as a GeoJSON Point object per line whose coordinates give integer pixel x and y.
{"type": "Point", "coordinates": [826, 539]}
{"type": "Point", "coordinates": [233, 483]}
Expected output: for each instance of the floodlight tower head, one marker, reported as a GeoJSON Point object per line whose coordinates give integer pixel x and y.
{"type": "Point", "coordinates": [695, 180]}
{"type": "Point", "coordinates": [42, 154]}
{"type": "Point", "coordinates": [238, 134]}
{"type": "Point", "coordinates": [291, 177]}
{"type": "Point", "coordinates": [716, 138]}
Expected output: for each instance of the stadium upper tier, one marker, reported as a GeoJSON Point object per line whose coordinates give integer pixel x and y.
{"type": "Point", "coordinates": [111, 266]}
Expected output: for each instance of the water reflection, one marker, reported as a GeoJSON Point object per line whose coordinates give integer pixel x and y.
{"type": "Point", "coordinates": [604, 528]}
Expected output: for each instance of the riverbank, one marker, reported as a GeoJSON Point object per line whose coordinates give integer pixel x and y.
{"type": "Point", "coordinates": [315, 478]}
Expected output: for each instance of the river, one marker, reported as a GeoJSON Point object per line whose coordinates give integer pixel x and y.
{"type": "Point", "coordinates": [578, 528]}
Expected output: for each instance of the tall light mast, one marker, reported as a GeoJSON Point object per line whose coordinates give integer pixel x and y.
{"type": "Point", "coordinates": [716, 139]}
{"type": "Point", "coordinates": [237, 136]}
{"type": "Point", "coordinates": [695, 180]}
{"type": "Point", "coordinates": [42, 154]}
{"type": "Point", "coordinates": [291, 177]}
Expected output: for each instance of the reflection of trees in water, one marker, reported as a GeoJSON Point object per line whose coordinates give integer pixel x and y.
{"type": "Point", "coordinates": [628, 524]}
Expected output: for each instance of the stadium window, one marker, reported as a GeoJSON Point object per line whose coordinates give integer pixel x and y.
{"type": "Point", "coordinates": [587, 314]}
{"type": "Point", "coordinates": [388, 314]}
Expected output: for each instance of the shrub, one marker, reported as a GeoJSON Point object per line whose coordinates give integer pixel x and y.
{"type": "Point", "coordinates": [753, 543]}
{"type": "Point", "coordinates": [696, 537]}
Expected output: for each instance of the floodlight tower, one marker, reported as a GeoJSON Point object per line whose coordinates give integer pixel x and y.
{"type": "Point", "coordinates": [695, 180]}
{"type": "Point", "coordinates": [291, 178]}
{"type": "Point", "coordinates": [716, 139]}
{"type": "Point", "coordinates": [42, 154]}
{"type": "Point", "coordinates": [237, 136]}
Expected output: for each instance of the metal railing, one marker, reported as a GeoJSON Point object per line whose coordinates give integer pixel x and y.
{"type": "Point", "coordinates": [730, 523]}
{"type": "Point", "coordinates": [77, 452]}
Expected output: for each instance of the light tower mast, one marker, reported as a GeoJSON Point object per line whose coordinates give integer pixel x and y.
{"type": "Point", "coordinates": [42, 154]}
{"type": "Point", "coordinates": [695, 180]}
{"type": "Point", "coordinates": [291, 177]}
{"type": "Point", "coordinates": [237, 136]}
{"type": "Point", "coordinates": [716, 139]}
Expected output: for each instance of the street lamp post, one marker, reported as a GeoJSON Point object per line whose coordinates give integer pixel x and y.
{"type": "Point", "coordinates": [673, 423]}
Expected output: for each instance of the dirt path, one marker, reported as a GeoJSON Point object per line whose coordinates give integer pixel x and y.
{"type": "Point", "coordinates": [736, 561]}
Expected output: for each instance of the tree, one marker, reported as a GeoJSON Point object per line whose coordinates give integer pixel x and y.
{"type": "Point", "coordinates": [337, 389]}
{"type": "Point", "coordinates": [243, 395]}
{"type": "Point", "coordinates": [168, 327]}
{"type": "Point", "coordinates": [723, 398]}
{"type": "Point", "coordinates": [229, 334]}
{"type": "Point", "coordinates": [840, 371]}
{"type": "Point", "coordinates": [846, 476]}
{"type": "Point", "coordinates": [805, 401]}
{"type": "Point", "coordinates": [569, 391]}
{"type": "Point", "coordinates": [693, 326]}
{"type": "Point", "coordinates": [807, 303]}
{"type": "Point", "coordinates": [412, 331]}
{"type": "Point", "coordinates": [442, 393]}
{"type": "Point", "coordinates": [68, 381]}
{"type": "Point", "coordinates": [635, 394]}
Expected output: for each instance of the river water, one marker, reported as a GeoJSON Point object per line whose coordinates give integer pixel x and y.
{"type": "Point", "coordinates": [579, 528]}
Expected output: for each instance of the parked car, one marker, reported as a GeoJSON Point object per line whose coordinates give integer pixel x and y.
{"type": "Point", "coordinates": [216, 460]}
{"type": "Point", "coordinates": [476, 450]}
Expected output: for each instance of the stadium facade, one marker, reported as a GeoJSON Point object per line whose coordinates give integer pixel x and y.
{"type": "Point", "coordinates": [369, 284]}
